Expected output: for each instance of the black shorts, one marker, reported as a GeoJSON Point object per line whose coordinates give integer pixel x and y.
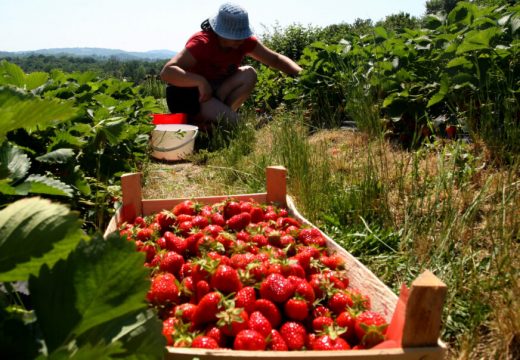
{"type": "Point", "coordinates": [182, 100]}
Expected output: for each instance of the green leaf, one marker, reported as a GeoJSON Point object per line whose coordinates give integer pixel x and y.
{"type": "Point", "coordinates": [34, 232]}
{"type": "Point", "coordinates": [381, 32]}
{"type": "Point", "coordinates": [35, 79]}
{"type": "Point", "coordinates": [438, 97]}
{"type": "Point", "coordinates": [60, 156]}
{"type": "Point", "coordinates": [459, 61]}
{"type": "Point", "coordinates": [477, 40]}
{"type": "Point", "coordinates": [99, 284]}
{"type": "Point", "coordinates": [113, 129]}
{"type": "Point", "coordinates": [11, 74]}
{"type": "Point", "coordinates": [14, 164]}
{"type": "Point", "coordinates": [39, 184]}
{"type": "Point", "coordinates": [19, 111]}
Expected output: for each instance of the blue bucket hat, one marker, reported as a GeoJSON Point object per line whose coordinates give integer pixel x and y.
{"type": "Point", "coordinates": [231, 22]}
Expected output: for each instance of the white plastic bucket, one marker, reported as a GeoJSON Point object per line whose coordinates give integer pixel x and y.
{"type": "Point", "coordinates": [173, 141]}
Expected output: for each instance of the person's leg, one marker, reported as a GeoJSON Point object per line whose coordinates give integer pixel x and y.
{"type": "Point", "coordinates": [215, 110]}
{"type": "Point", "coordinates": [235, 90]}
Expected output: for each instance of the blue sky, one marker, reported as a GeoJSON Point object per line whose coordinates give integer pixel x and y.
{"type": "Point", "coordinates": [159, 24]}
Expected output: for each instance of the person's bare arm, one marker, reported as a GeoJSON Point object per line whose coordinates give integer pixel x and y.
{"type": "Point", "coordinates": [174, 73]}
{"type": "Point", "coordinates": [275, 60]}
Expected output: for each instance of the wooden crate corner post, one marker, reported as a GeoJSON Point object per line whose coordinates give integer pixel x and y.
{"type": "Point", "coordinates": [132, 196]}
{"type": "Point", "coordinates": [276, 185]}
{"type": "Point", "coordinates": [423, 311]}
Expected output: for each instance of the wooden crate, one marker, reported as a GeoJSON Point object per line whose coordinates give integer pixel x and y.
{"type": "Point", "coordinates": [414, 316]}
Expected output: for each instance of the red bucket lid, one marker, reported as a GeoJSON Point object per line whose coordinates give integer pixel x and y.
{"type": "Point", "coordinates": [179, 118]}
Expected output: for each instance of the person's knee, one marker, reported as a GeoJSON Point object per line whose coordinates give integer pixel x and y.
{"type": "Point", "coordinates": [249, 74]}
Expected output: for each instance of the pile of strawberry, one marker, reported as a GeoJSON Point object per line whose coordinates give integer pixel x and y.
{"type": "Point", "coordinates": [246, 276]}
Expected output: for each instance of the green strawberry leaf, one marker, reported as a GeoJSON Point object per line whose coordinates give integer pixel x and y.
{"type": "Point", "coordinates": [34, 232]}
{"type": "Point", "coordinates": [38, 184]}
{"type": "Point", "coordinates": [14, 164]}
{"type": "Point", "coordinates": [60, 156]}
{"type": "Point", "coordinates": [92, 292]}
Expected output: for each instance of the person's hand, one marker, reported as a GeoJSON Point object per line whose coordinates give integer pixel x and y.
{"type": "Point", "coordinates": [205, 91]}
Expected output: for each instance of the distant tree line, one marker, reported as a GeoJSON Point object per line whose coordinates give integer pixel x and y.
{"type": "Point", "coordinates": [136, 71]}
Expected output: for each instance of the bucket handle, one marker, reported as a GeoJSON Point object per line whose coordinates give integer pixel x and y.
{"type": "Point", "coordinates": [161, 149]}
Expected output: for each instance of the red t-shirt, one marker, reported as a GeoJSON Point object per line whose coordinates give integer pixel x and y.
{"type": "Point", "coordinates": [213, 62]}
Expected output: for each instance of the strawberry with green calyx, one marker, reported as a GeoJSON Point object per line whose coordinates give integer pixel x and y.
{"type": "Point", "coordinates": [249, 340]}
{"type": "Point", "coordinates": [187, 207]}
{"type": "Point", "coordinates": [294, 334]}
{"type": "Point", "coordinates": [370, 328]}
{"type": "Point", "coordinates": [184, 312]}
{"type": "Point", "coordinates": [291, 267]}
{"type": "Point", "coordinates": [232, 320]}
{"type": "Point", "coordinates": [227, 239]}
{"type": "Point", "coordinates": [340, 301]}
{"type": "Point", "coordinates": [208, 308]}
{"type": "Point", "coordinates": [226, 280]}
{"type": "Point", "coordinates": [347, 321]}
{"type": "Point", "coordinates": [258, 322]}
{"type": "Point", "coordinates": [321, 322]}
{"type": "Point", "coordinates": [330, 339]}
{"type": "Point", "coordinates": [165, 219]}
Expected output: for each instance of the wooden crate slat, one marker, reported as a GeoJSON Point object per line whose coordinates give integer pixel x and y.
{"type": "Point", "coordinates": [425, 353]}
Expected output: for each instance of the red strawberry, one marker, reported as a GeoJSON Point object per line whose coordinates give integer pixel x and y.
{"type": "Point", "coordinates": [168, 329]}
{"type": "Point", "coordinates": [257, 214]}
{"type": "Point", "coordinates": [232, 320]}
{"type": "Point", "coordinates": [340, 302]}
{"type": "Point", "coordinates": [144, 234]}
{"type": "Point", "coordinates": [246, 298]}
{"type": "Point", "coordinates": [321, 322]}
{"type": "Point", "coordinates": [207, 308]}
{"type": "Point", "coordinates": [370, 328]}
{"type": "Point", "coordinates": [214, 332]}
{"type": "Point", "coordinates": [171, 262]}
{"type": "Point", "coordinates": [231, 208]}
{"type": "Point", "coordinates": [296, 309]}
{"type": "Point", "coordinates": [249, 340]}
{"type": "Point", "coordinates": [184, 312]}
{"type": "Point", "coordinates": [199, 221]}
{"type": "Point", "coordinates": [270, 311]}
{"type": "Point", "coordinates": [217, 219]}
{"type": "Point", "coordinates": [330, 342]}
{"type": "Point", "coordinates": [277, 343]}
{"type": "Point", "coordinates": [204, 342]}
{"type": "Point", "coordinates": [276, 288]}
{"type": "Point", "coordinates": [257, 321]}
{"type": "Point", "coordinates": [226, 279]}
{"type": "Point", "coordinates": [213, 230]}
{"type": "Point", "coordinates": [186, 207]}
{"type": "Point", "coordinates": [175, 243]}
{"type": "Point", "coordinates": [163, 290]}
{"type": "Point", "coordinates": [165, 219]}
{"type": "Point", "coordinates": [238, 222]}
{"type": "Point", "coordinates": [294, 335]}
{"type": "Point", "coordinates": [347, 321]}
